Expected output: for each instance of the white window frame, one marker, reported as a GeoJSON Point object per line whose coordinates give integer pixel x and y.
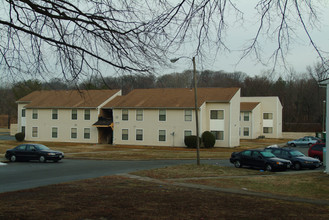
{"type": "Point", "coordinates": [185, 131]}
{"type": "Point", "coordinates": [217, 115]}
{"type": "Point", "coordinates": [137, 135]}
{"type": "Point", "coordinates": [54, 132]}
{"type": "Point", "coordinates": [35, 132]}
{"type": "Point", "coordinates": [188, 115]}
{"type": "Point", "coordinates": [246, 115]}
{"type": "Point", "coordinates": [34, 113]}
{"type": "Point", "coordinates": [160, 135]}
{"type": "Point", "coordinates": [139, 114]}
{"type": "Point", "coordinates": [124, 129]}
{"type": "Point", "coordinates": [214, 132]}
{"type": "Point", "coordinates": [86, 135]}
{"type": "Point", "coordinates": [244, 135]}
{"type": "Point", "coordinates": [268, 114]}
{"type": "Point", "coordinates": [268, 128]}
{"type": "Point", "coordinates": [72, 133]}
{"type": "Point", "coordinates": [162, 114]}
{"type": "Point", "coordinates": [74, 114]}
{"type": "Point", "coordinates": [124, 114]}
{"type": "Point", "coordinates": [54, 114]}
{"type": "Point", "coordinates": [87, 114]}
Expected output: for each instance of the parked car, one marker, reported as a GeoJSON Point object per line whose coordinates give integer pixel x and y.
{"type": "Point", "coordinates": [33, 152]}
{"type": "Point", "coordinates": [259, 159]}
{"type": "Point", "coordinates": [302, 142]}
{"type": "Point", "coordinates": [316, 151]}
{"type": "Point", "coordinates": [314, 138]}
{"type": "Point", "coordinates": [297, 158]}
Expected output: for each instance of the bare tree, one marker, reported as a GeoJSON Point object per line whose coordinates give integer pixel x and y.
{"type": "Point", "coordinates": [88, 36]}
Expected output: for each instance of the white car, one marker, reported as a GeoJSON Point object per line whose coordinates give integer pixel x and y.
{"type": "Point", "coordinates": [305, 141]}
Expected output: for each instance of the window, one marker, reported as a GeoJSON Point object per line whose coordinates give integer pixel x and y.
{"type": "Point", "coordinates": [21, 147]}
{"type": "Point", "coordinates": [87, 114]}
{"type": "Point", "coordinates": [86, 133]}
{"type": "Point", "coordinates": [35, 114]}
{"type": "Point", "coordinates": [162, 115]}
{"type": "Point", "coordinates": [246, 153]}
{"type": "Point", "coordinates": [162, 135]}
{"type": "Point", "coordinates": [216, 114]}
{"type": "Point", "coordinates": [125, 134]}
{"type": "Point", "coordinates": [74, 114]}
{"type": "Point", "coordinates": [139, 115]}
{"type": "Point", "coordinates": [187, 133]}
{"type": "Point", "coordinates": [54, 114]}
{"type": "Point", "coordinates": [54, 132]}
{"type": "Point", "coordinates": [188, 115]}
{"type": "Point", "coordinates": [124, 114]}
{"type": "Point", "coordinates": [30, 148]}
{"type": "Point", "coordinates": [23, 129]}
{"type": "Point", "coordinates": [245, 131]}
{"type": "Point", "coordinates": [256, 154]}
{"type": "Point", "coordinates": [267, 130]}
{"type": "Point", "coordinates": [219, 135]}
{"type": "Point", "coordinates": [74, 133]}
{"type": "Point", "coordinates": [268, 116]}
{"type": "Point", "coordinates": [139, 134]}
{"type": "Point", "coordinates": [34, 131]}
{"type": "Point", "coordinates": [246, 116]}
{"type": "Point", "coordinates": [23, 112]}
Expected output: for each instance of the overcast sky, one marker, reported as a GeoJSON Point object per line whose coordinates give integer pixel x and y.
{"type": "Point", "coordinates": [301, 53]}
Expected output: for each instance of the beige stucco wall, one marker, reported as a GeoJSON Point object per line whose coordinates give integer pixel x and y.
{"type": "Point", "coordinates": [234, 120]}
{"type": "Point", "coordinates": [268, 105]}
{"type": "Point", "coordinates": [175, 125]}
{"type": "Point", "coordinates": [64, 123]}
{"type": "Point", "coordinates": [254, 124]}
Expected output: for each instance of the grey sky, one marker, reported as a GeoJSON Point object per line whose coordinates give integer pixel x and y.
{"type": "Point", "coordinates": [300, 54]}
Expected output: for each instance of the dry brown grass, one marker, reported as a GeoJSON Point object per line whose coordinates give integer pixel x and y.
{"type": "Point", "coordinates": [313, 185]}
{"type": "Point", "coordinates": [121, 198]}
{"type": "Point", "coordinates": [126, 152]}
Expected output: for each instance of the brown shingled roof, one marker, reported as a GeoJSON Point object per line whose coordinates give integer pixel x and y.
{"type": "Point", "coordinates": [171, 98]}
{"type": "Point", "coordinates": [67, 98]}
{"type": "Point", "coordinates": [248, 106]}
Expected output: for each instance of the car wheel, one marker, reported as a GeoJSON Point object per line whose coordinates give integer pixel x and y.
{"type": "Point", "coordinates": [268, 167]}
{"type": "Point", "coordinates": [297, 166]}
{"type": "Point", "coordinates": [309, 145]}
{"type": "Point", "coordinates": [55, 161]}
{"type": "Point", "coordinates": [42, 159]}
{"type": "Point", "coordinates": [13, 158]}
{"type": "Point", "coordinates": [237, 164]}
{"type": "Point", "coordinates": [292, 145]}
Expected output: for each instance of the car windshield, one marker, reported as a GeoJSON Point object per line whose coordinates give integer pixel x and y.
{"type": "Point", "coordinates": [267, 154]}
{"type": "Point", "coordinates": [296, 153]}
{"type": "Point", "coordinates": [41, 147]}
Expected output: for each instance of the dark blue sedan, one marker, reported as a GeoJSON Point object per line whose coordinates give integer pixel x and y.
{"type": "Point", "coordinates": [28, 152]}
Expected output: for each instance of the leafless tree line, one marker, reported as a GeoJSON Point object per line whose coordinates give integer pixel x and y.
{"type": "Point", "coordinates": [86, 37]}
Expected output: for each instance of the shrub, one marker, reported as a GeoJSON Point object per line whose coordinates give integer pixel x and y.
{"type": "Point", "coordinates": [208, 139]}
{"type": "Point", "coordinates": [20, 136]}
{"type": "Point", "coordinates": [190, 141]}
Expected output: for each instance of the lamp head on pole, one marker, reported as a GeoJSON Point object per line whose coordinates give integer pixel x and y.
{"type": "Point", "coordinates": [174, 60]}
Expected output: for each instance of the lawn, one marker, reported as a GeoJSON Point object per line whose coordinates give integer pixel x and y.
{"type": "Point", "coordinates": [118, 197]}
{"type": "Point", "coordinates": [120, 152]}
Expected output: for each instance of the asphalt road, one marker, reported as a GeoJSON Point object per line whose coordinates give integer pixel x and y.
{"type": "Point", "coordinates": [25, 175]}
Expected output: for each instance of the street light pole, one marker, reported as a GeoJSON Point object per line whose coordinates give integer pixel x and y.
{"type": "Point", "coordinates": [196, 113]}
{"type": "Point", "coordinates": [195, 108]}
